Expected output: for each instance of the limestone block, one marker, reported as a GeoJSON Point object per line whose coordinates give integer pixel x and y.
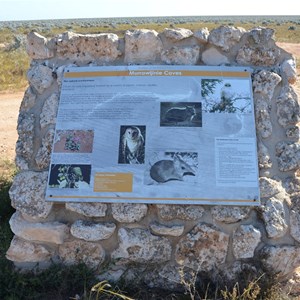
{"type": "Point", "coordinates": [25, 128]}
{"type": "Point", "coordinates": [295, 223]}
{"type": "Point", "coordinates": [60, 72]}
{"type": "Point", "coordinates": [288, 156]}
{"type": "Point", "coordinates": [245, 240]}
{"type": "Point", "coordinates": [212, 57]}
{"type": "Point", "coordinates": [177, 34]}
{"type": "Point", "coordinates": [140, 246]}
{"type": "Point", "coordinates": [263, 119]}
{"type": "Point", "coordinates": [88, 209]}
{"type": "Point", "coordinates": [27, 194]}
{"type": "Point", "coordinates": [28, 101]}
{"type": "Point", "coordinates": [23, 251]}
{"type": "Point", "coordinates": [230, 215]}
{"type": "Point", "coordinates": [264, 158]}
{"type": "Point", "coordinates": [159, 229]}
{"type": "Point", "coordinates": [49, 232]}
{"type": "Point", "coordinates": [182, 212]}
{"type": "Point", "coordinates": [181, 56]}
{"type": "Point", "coordinates": [36, 46]}
{"type": "Point", "coordinates": [265, 82]}
{"type": "Point", "coordinates": [49, 111]}
{"type": "Point", "coordinates": [274, 217]}
{"type": "Point", "coordinates": [203, 248]}
{"type": "Point", "coordinates": [280, 259]}
{"type": "Point", "coordinates": [42, 158]}
{"type": "Point", "coordinates": [226, 37]}
{"type": "Point", "coordinates": [292, 184]}
{"type": "Point", "coordinates": [21, 163]}
{"type": "Point", "coordinates": [261, 35]}
{"type": "Point", "coordinates": [40, 77]}
{"type": "Point", "coordinates": [293, 133]}
{"type": "Point", "coordinates": [142, 46]}
{"type": "Point", "coordinates": [288, 111]}
{"type": "Point", "coordinates": [288, 68]}
{"type": "Point", "coordinates": [92, 232]}
{"type": "Point", "coordinates": [128, 212]}
{"type": "Point", "coordinates": [77, 251]}
{"type": "Point", "coordinates": [202, 35]}
{"type": "Point", "coordinates": [269, 187]}
{"type": "Point", "coordinates": [103, 47]}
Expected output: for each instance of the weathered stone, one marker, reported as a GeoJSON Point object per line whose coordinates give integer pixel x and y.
{"type": "Point", "coordinates": [269, 187]}
{"type": "Point", "coordinates": [28, 101]}
{"type": "Point", "coordinates": [264, 158]}
{"type": "Point", "coordinates": [177, 34]}
{"type": "Point", "coordinates": [230, 215]}
{"type": "Point", "coordinates": [245, 240]}
{"type": "Point", "coordinates": [36, 46]}
{"type": "Point", "coordinates": [288, 156]}
{"type": "Point", "coordinates": [78, 251]}
{"type": "Point", "coordinates": [263, 119]}
{"type": "Point", "coordinates": [42, 158]}
{"type": "Point", "coordinates": [102, 47]}
{"type": "Point", "coordinates": [49, 111]}
{"type": "Point", "coordinates": [280, 260]}
{"type": "Point", "coordinates": [181, 56]}
{"type": "Point", "coordinates": [274, 218]}
{"type": "Point", "coordinates": [88, 209]}
{"type": "Point", "coordinates": [203, 248]}
{"type": "Point", "coordinates": [226, 37]}
{"type": "Point", "coordinates": [40, 77]}
{"type": "Point", "coordinates": [23, 251]}
{"type": "Point", "coordinates": [288, 68]}
{"type": "Point", "coordinates": [288, 111]}
{"type": "Point", "coordinates": [60, 72]}
{"type": "Point", "coordinates": [202, 35]}
{"type": "Point", "coordinates": [292, 184]}
{"type": "Point", "coordinates": [142, 46]}
{"type": "Point", "coordinates": [128, 212]}
{"type": "Point", "coordinates": [295, 223]}
{"type": "Point", "coordinates": [159, 229]}
{"type": "Point", "coordinates": [91, 231]}
{"type": "Point", "coordinates": [49, 232]}
{"type": "Point", "coordinates": [261, 35]}
{"type": "Point", "coordinates": [212, 57]}
{"type": "Point", "coordinates": [293, 133]}
{"type": "Point", "coordinates": [21, 163]}
{"type": "Point", "coordinates": [27, 194]}
{"type": "Point", "coordinates": [182, 212]}
{"type": "Point", "coordinates": [265, 82]}
{"type": "Point", "coordinates": [139, 245]}
{"type": "Point", "coordinates": [232, 273]}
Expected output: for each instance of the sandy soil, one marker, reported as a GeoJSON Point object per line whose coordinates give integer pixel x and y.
{"type": "Point", "coordinates": [10, 103]}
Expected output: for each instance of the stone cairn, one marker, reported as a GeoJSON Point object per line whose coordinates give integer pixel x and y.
{"type": "Point", "coordinates": [214, 239]}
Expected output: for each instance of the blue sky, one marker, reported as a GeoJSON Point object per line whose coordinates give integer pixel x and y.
{"type": "Point", "coordinates": [65, 9]}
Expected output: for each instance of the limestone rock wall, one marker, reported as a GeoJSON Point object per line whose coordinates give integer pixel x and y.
{"type": "Point", "coordinates": [215, 239]}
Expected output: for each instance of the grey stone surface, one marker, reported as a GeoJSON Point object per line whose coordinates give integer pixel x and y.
{"type": "Point", "coordinates": [202, 35]}
{"type": "Point", "coordinates": [288, 156]}
{"type": "Point", "coordinates": [182, 212]}
{"type": "Point", "coordinates": [29, 100]}
{"type": "Point", "coordinates": [288, 68]}
{"type": "Point", "coordinates": [269, 187]}
{"type": "Point", "coordinates": [91, 231]}
{"type": "Point", "coordinates": [36, 46]}
{"type": "Point", "coordinates": [128, 212]}
{"type": "Point", "coordinates": [175, 230]}
{"type": "Point", "coordinates": [203, 248]}
{"type": "Point", "coordinates": [49, 111]}
{"type": "Point", "coordinates": [263, 119]}
{"type": "Point", "coordinates": [40, 77]}
{"type": "Point", "coordinates": [177, 34]}
{"type": "Point", "coordinates": [213, 57]}
{"type": "Point", "coordinates": [229, 214]}
{"type": "Point", "coordinates": [27, 194]}
{"type": "Point", "coordinates": [264, 157]}
{"type": "Point", "coordinates": [293, 133]}
{"type": "Point", "coordinates": [295, 223]}
{"type": "Point", "coordinates": [292, 184]}
{"type": "Point", "coordinates": [88, 209]}
{"type": "Point", "coordinates": [181, 56]}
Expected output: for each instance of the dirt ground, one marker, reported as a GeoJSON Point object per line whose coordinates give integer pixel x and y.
{"type": "Point", "coordinates": [10, 103]}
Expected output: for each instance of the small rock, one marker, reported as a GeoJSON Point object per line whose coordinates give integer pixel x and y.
{"type": "Point", "coordinates": [88, 209]}
{"type": "Point", "coordinates": [40, 77]}
{"type": "Point", "coordinates": [230, 215]}
{"type": "Point", "coordinates": [159, 229]}
{"type": "Point", "coordinates": [181, 56]}
{"type": "Point", "coordinates": [182, 212]}
{"type": "Point", "coordinates": [177, 34]}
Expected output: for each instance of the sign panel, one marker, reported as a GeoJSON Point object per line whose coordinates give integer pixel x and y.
{"type": "Point", "coordinates": [155, 134]}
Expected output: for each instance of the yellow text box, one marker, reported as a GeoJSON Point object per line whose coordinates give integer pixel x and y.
{"type": "Point", "coordinates": [113, 182]}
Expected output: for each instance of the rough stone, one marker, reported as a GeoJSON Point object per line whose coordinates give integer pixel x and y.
{"type": "Point", "coordinates": [23, 251]}
{"type": "Point", "coordinates": [263, 119]}
{"type": "Point", "coordinates": [288, 68]}
{"type": "Point", "coordinates": [229, 215]}
{"type": "Point", "coordinates": [42, 158]}
{"type": "Point", "coordinates": [182, 212]}
{"type": "Point", "coordinates": [274, 217]}
{"type": "Point", "coordinates": [295, 224]}
{"type": "Point", "coordinates": [49, 232]}
{"type": "Point", "coordinates": [40, 77]}
{"type": "Point", "coordinates": [292, 184]}
{"type": "Point", "coordinates": [202, 35]}
{"type": "Point", "coordinates": [203, 248]}
{"type": "Point", "coordinates": [262, 35]}
{"type": "Point", "coordinates": [269, 187]}
{"type": "Point", "coordinates": [181, 56]}
{"type": "Point", "coordinates": [88, 209]}
{"type": "Point", "coordinates": [142, 46]}
{"type": "Point", "coordinates": [293, 133]}
{"type": "Point", "coordinates": [49, 111]}
{"type": "Point", "coordinates": [212, 57]}
{"type": "Point", "coordinates": [288, 111]}
{"type": "Point", "coordinates": [177, 34]}
{"type": "Point", "coordinates": [159, 229]}
{"type": "Point", "coordinates": [21, 163]}
{"type": "Point", "coordinates": [140, 246]}
{"type": "Point", "coordinates": [60, 72]}
{"type": "Point", "coordinates": [27, 194]}
{"type": "Point", "coordinates": [128, 212]}
{"type": "Point", "coordinates": [36, 46]}
{"type": "Point", "coordinates": [91, 232]}
{"type": "Point", "coordinates": [226, 37]}
{"type": "Point", "coordinates": [288, 156]}
{"type": "Point", "coordinates": [264, 158]}
{"type": "Point", "coordinates": [102, 47]}
{"type": "Point", "coordinates": [245, 240]}
{"type": "Point", "coordinates": [28, 101]}
{"type": "Point", "coordinates": [78, 251]}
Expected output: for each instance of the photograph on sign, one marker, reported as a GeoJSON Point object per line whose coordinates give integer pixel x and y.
{"type": "Point", "coordinates": [155, 134]}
